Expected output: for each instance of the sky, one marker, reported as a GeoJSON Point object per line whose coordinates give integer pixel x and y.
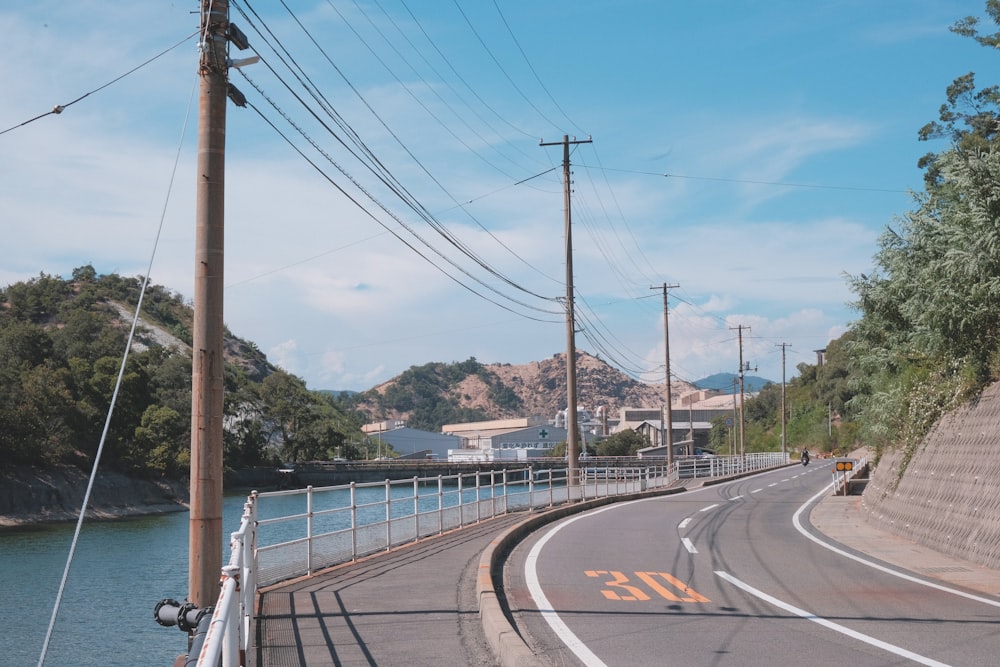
{"type": "Point", "coordinates": [746, 154]}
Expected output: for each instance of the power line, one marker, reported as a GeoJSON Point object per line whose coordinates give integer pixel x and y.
{"type": "Point", "coordinates": [59, 108]}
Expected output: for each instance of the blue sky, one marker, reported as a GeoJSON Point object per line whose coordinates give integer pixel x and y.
{"type": "Point", "coordinates": [749, 152]}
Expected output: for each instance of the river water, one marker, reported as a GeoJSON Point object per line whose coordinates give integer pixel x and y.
{"type": "Point", "coordinates": [121, 569]}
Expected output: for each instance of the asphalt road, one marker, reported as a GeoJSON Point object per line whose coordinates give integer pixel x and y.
{"type": "Point", "coordinates": [732, 574]}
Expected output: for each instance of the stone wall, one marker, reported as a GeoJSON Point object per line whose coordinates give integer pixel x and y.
{"type": "Point", "coordinates": [30, 495]}
{"type": "Point", "coordinates": [947, 495]}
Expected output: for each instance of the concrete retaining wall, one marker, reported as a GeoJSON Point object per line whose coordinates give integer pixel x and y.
{"type": "Point", "coordinates": [947, 496]}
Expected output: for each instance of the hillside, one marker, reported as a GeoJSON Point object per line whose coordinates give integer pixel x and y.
{"type": "Point", "coordinates": [435, 394]}
{"type": "Point", "coordinates": [61, 348]}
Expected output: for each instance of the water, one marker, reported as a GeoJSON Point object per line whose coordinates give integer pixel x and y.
{"type": "Point", "coordinates": [120, 571]}
{"type": "Point", "coordinates": [123, 568]}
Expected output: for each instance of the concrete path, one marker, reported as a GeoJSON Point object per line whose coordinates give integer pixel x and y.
{"type": "Point", "coordinates": [414, 605]}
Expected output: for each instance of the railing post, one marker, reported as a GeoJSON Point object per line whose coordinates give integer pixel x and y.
{"type": "Point", "coordinates": [309, 529]}
{"type": "Point", "coordinates": [531, 488]}
{"type": "Point", "coordinates": [388, 515]}
{"type": "Point", "coordinates": [479, 513]}
{"type": "Point", "coordinates": [440, 504]}
{"type": "Point", "coordinates": [461, 502]}
{"type": "Point", "coordinates": [231, 639]}
{"type": "Point", "coordinates": [354, 521]}
{"type": "Point", "coordinates": [416, 506]}
{"type": "Point", "coordinates": [248, 598]}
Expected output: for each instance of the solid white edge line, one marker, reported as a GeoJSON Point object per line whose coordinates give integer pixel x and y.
{"type": "Point", "coordinates": [885, 646]}
{"type": "Point", "coordinates": [558, 626]}
{"type": "Point", "coordinates": [796, 519]}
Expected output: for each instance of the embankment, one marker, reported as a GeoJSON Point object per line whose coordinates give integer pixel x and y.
{"type": "Point", "coordinates": [945, 492]}
{"type": "Point", "coordinates": [32, 495]}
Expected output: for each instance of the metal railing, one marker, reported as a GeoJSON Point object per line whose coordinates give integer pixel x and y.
{"type": "Point", "coordinates": [339, 524]}
{"type": "Point", "coordinates": [845, 470]}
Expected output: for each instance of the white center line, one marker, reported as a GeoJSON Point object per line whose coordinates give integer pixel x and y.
{"type": "Point", "coordinates": [710, 507]}
{"type": "Point", "coordinates": [689, 545]}
{"type": "Point", "coordinates": [683, 524]}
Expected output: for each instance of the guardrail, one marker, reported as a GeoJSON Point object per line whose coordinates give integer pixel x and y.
{"type": "Point", "coordinates": [342, 523]}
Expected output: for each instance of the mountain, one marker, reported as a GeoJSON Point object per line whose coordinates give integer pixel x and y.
{"type": "Point", "coordinates": [724, 382]}
{"type": "Point", "coordinates": [435, 394]}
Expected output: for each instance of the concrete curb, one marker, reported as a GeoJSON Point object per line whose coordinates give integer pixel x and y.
{"type": "Point", "coordinates": [507, 644]}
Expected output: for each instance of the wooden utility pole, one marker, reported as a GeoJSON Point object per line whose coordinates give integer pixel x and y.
{"type": "Point", "coordinates": [743, 448]}
{"type": "Point", "coordinates": [783, 412]}
{"type": "Point", "coordinates": [572, 451]}
{"type": "Point", "coordinates": [669, 422]}
{"type": "Point", "coordinates": [205, 545]}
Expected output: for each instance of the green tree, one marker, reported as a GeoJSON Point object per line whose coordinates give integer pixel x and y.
{"type": "Point", "coordinates": [623, 443]}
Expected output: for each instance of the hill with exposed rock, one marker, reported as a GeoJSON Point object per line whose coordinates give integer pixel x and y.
{"type": "Point", "coordinates": [435, 394]}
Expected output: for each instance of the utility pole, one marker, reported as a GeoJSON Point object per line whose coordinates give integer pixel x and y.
{"type": "Point", "coordinates": [743, 447]}
{"type": "Point", "coordinates": [669, 425]}
{"type": "Point", "coordinates": [736, 423]}
{"type": "Point", "coordinates": [205, 547]}
{"type": "Point", "coordinates": [572, 452]}
{"type": "Point", "coordinates": [783, 413]}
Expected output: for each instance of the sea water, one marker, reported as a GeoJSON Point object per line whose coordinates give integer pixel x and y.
{"type": "Point", "coordinates": [121, 569]}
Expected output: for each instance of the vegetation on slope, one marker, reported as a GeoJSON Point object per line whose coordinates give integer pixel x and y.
{"type": "Point", "coordinates": [61, 345]}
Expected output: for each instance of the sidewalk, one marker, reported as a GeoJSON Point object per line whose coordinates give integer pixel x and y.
{"type": "Point", "coordinates": [413, 605]}
{"type": "Point", "coordinates": [842, 519]}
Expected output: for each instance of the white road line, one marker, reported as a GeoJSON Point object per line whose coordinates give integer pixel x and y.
{"type": "Point", "coordinates": [689, 545]}
{"type": "Point", "coordinates": [710, 507]}
{"type": "Point", "coordinates": [756, 490]}
{"type": "Point", "coordinates": [772, 484]}
{"type": "Point", "coordinates": [736, 497]}
{"type": "Point", "coordinates": [684, 524]}
{"type": "Point", "coordinates": [796, 519]}
{"type": "Point", "coordinates": [836, 627]}
{"type": "Point", "coordinates": [559, 627]}
{"type": "Point", "coordinates": [562, 630]}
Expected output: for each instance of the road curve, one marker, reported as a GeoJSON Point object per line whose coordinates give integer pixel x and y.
{"type": "Point", "coordinates": [731, 574]}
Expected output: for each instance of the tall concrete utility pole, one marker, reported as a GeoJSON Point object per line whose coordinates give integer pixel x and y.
{"type": "Point", "coordinates": [783, 412]}
{"type": "Point", "coordinates": [572, 451]}
{"type": "Point", "coordinates": [743, 447]}
{"type": "Point", "coordinates": [205, 544]}
{"type": "Point", "coordinates": [669, 422]}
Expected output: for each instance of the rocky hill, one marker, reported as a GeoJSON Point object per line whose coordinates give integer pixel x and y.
{"type": "Point", "coordinates": [500, 390]}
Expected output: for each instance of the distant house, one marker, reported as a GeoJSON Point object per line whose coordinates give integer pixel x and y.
{"type": "Point", "coordinates": [694, 435]}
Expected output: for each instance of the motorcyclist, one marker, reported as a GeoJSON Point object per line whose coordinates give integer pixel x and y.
{"type": "Point", "coordinates": [805, 456]}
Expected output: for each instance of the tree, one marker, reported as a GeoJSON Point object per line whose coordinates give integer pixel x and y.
{"type": "Point", "coordinates": [623, 443]}
{"type": "Point", "coordinates": [970, 119]}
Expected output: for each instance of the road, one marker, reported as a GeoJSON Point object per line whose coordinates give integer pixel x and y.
{"type": "Point", "coordinates": [732, 574]}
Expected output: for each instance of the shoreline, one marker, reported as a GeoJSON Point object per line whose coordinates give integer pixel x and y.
{"type": "Point", "coordinates": [41, 496]}
{"type": "Point", "coordinates": [42, 519]}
